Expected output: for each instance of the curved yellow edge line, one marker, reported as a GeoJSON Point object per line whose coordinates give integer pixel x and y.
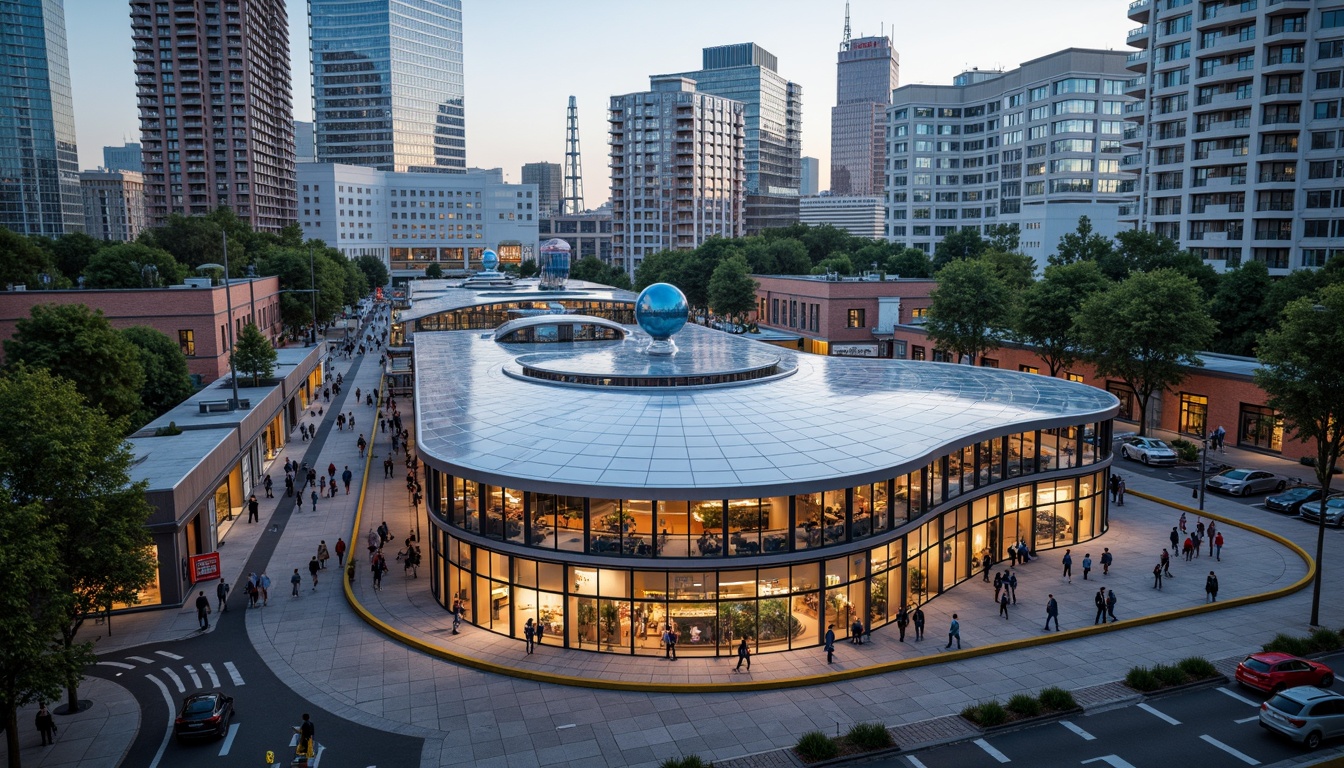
{"type": "Point", "coordinates": [828, 677]}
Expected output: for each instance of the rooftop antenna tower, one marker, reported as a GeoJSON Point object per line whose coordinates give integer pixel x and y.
{"type": "Point", "coordinates": [844, 44]}
{"type": "Point", "coordinates": [573, 192]}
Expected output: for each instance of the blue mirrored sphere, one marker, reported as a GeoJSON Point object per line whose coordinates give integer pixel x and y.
{"type": "Point", "coordinates": [661, 310]}
{"type": "Point", "coordinates": [490, 260]}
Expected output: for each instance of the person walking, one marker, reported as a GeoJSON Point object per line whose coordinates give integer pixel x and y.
{"type": "Point", "coordinates": [669, 643]}
{"type": "Point", "coordinates": [529, 632]}
{"type": "Point", "coordinates": [267, 483]}
{"type": "Point", "coordinates": [1208, 534]}
{"type": "Point", "coordinates": [998, 585]}
{"type": "Point", "coordinates": [313, 499]}
{"type": "Point", "coordinates": [902, 620]}
{"type": "Point", "coordinates": [362, 444]}
{"type": "Point", "coordinates": [340, 552]}
{"type": "Point", "coordinates": [1175, 539]}
{"type": "Point", "coordinates": [1166, 562]}
{"type": "Point", "coordinates": [1011, 584]}
{"type": "Point", "coordinates": [1115, 487]}
{"type": "Point", "coordinates": [265, 582]}
{"type": "Point", "coordinates": [1087, 564]}
{"type": "Point", "coordinates": [458, 610]}
{"type": "Point", "coordinates": [306, 734]}
{"type": "Point", "coordinates": [1182, 522]}
{"type": "Point", "coordinates": [541, 625]}
{"type": "Point", "coordinates": [1051, 612]}
{"type": "Point", "coordinates": [1211, 587]}
{"type": "Point", "coordinates": [1106, 561]}
{"type": "Point", "coordinates": [1012, 556]}
{"type": "Point", "coordinates": [1100, 600]}
{"type": "Point", "coordinates": [252, 507]}
{"type": "Point", "coordinates": [1188, 548]}
{"type": "Point", "coordinates": [1110, 604]}
{"type": "Point", "coordinates": [294, 582]}
{"type": "Point", "coordinates": [346, 477]}
{"type": "Point", "coordinates": [829, 645]}
{"type": "Point", "coordinates": [856, 632]}
{"type": "Point", "coordinates": [1003, 605]}
{"type": "Point", "coordinates": [1120, 493]}
{"type": "Point", "coordinates": [45, 723]}
{"type": "Point", "coordinates": [203, 610]}
{"type": "Point", "coordinates": [954, 631]}
{"type": "Point", "coordinates": [323, 554]}
{"type": "Point", "coordinates": [743, 655]}
{"type": "Point", "coordinates": [1068, 565]}
{"type": "Point", "coordinates": [222, 594]}
{"type": "Point", "coordinates": [917, 618]}
{"type": "Point", "coordinates": [289, 485]}
{"type": "Point", "coordinates": [1218, 546]}
{"type": "Point", "coordinates": [1157, 576]}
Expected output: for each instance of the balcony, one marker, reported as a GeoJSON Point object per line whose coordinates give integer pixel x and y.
{"type": "Point", "coordinates": [1139, 10]}
{"type": "Point", "coordinates": [1277, 178]}
{"type": "Point", "coordinates": [1138, 37]}
{"type": "Point", "coordinates": [1137, 61]}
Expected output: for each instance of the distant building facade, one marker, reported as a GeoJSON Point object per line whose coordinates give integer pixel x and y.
{"type": "Point", "coordinates": [810, 177]}
{"type": "Point", "coordinates": [548, 179]}
{"type": "Point", "coordinates": [124, 158]}
{"type": "Point", "coordinates": [850, 317]}
{"type": "Point", "coordinates": [305, 148]}
{"type": "Point", "coordinates": [114, 204]}
{"type": "Point", "coordinates": [867, 69]}
{"type": "Point", "coordinates": [859, 215]}
{"type": "Point", "coordinates": [588, 234]}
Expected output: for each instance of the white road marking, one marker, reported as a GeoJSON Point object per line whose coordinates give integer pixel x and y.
{"type": "Point", "coordinates": [991, 751]}
{"type": "Point", "coordinates": [167, 732]}
{"type": "Point", "coordinates": [1240, 698]}
{"type": "Point", "coordinates": [117, 664]}
{"type": "Point", "coordinates": [141, 659]}
{"type": "Point", "coordinates": [1072, 727]}
{"type": "Point", "coordinates": [1159, 715]}
{"type": "Point", "coordinates": [317, 758]}
{"type": "Point", "coordinates": [228, 740]}
{"type": "Point", "coordinates": [172, 656]}
{"type": "Point", "coordinates": [1250, 719]}
{"type": "Point", "coordinates": [1115, 761]}
{"type": "Point", "coordinates": [1242, 756]}
{"type": "Point", "coordinates": [210, 670]}
{"type": "Point", "coordinates": [914, 761]}
{"type": "Point", "coordinates": [195, 678]}
{"type": "Point", "coordinates": [176, 680]}
{"type": "Point", "coordinates": [233, 673]}
{"type": "Point", "coordinates": [563, 727]}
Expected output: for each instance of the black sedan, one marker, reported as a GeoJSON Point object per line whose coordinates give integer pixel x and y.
{"type": "Point", "coordinates": [1291, 501]}
{"type": "Point", "coordinates": [204, 715]}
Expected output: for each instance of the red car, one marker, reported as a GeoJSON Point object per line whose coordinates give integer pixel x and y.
{"type": "Point", "coordinates": [1272, 672]}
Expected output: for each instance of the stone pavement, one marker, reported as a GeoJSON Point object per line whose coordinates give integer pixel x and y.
{"type": "Point", "coordinates": [317, 644]}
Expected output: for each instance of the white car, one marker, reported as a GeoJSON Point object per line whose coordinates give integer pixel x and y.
{"type": "Point", "coordinates": [1242, 482]}
{"type": "Point", "coordinates": [1334, 511]}
{"type": "Point", "coordinates": [1148, 450]}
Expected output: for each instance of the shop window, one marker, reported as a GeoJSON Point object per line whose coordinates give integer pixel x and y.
{"type": "Point", "coordinates": [916, 352]}
{"type": "Point", "coordinates": [898, 350]}
{"type": "Point", "coordinates": [1028, 369]}
{"type": "Point", "coordinates": [1260, 427]}
{"type": "Point", "coordinates": [1128, 402]}
{"type": "Point", "coordinates": [855, 318]}
{"type": "Point", "coordinates": [989, 362]}
{"type": "Point", "coordinates": [1075, 377]}
{"type": "Point", "coordinates": [1194, 414]}
{"type": "Point", "coordinates": [941, 356]}
{"type": "Point", "coordinates": [186, 339]}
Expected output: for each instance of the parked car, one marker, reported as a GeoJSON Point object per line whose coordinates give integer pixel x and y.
{"type": "Point", "coordinates": [1305, 714]}
{"type": "Point", "coordinates": [1334, 511]}
{"type": "Point", "coordinates": [1291, 501]}
{"type": "Point", "coordinates": [1243, 482]}
{"type": "Point", "coordinates": [1272, 672]}
{"type": "Point", "coordinates": [1148, 450]}
{"type": "Point", "coordinates": [203, 715]}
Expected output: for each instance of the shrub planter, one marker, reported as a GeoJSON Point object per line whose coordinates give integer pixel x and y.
{"type": "Point", "coordinates": [817, 749]}
{"type": "Point", "coordinates": [1171, 689]}
{"type": "Point", "coordinates": [1025, 722]}
{"type": "Point", "coordinates": [847, 755]}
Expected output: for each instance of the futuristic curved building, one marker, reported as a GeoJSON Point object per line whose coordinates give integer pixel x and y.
{"type": "Point", "coordinates": [732, 489]}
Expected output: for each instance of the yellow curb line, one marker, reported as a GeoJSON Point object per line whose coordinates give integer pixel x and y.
{"type": "Point", "coordinates": [827, 677]}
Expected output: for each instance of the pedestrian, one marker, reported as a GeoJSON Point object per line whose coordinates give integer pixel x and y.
{"type": "Point", "coordinates": [374, 542]}
{"type": "Point", "coordinates": [388, 467]}
{"type": "Point", "coordinates": [1012, 556]}
{"type": "Point", "coordinates": [346, 477]}
{"type": "Point", "coordinates": [203, 610]}
{"type": "Point", "coordinates": [1182, 522]}
{"type": "Point", "coordinates": [1218, 546]}
{"type": "Point", "coordinates": [1011, 586]}
{"type": "Point", "coordinates": [1023, 551]}
{"type": "Point", "coordinates": [529, 632]}
{"type": "Point", "coordinates": [902, 620]}
{"type": "Point", "coordinates": [46, 724]}
{"type": "Point", "coordinates": [1110, 604]}
{"type": "Point", "coordinates": [313, 498]}
{"type": "Point", "coordinates": [954, 631]}
{"type": "Point", "coordinates": [382, 425]}
{"type": "Point", "coordinates": [1166, 563]}
{"type": "Point", "coordinates": [313, 567]}
{"type": "Point", "coordinates": [458, 608]}
{"type": "Point", "coordinates": [669, 643]}
{"type": "Point", "coordinates": [289, 485]}
{"type": "Point", "coordinates": [222, 593]}
{"type": "Point", "coordinates": [358, 397]}
{"type": "Point", "coordinates": [1115, 487]}
{"type": "Point", "coordinates": [267, 484]}
{"type": "Point", "coordinates": [252, 507]}
{"type": "Point", "coordinates": [384, 533]}
{"type": "Point", "coordinates": [1100, 600]}
{"type": "Point", "coordinates": [253, 591]}
{"type": "Point", "coordinates": [1003, 605]}
{"type": "Point", "coordinates": [1106, 561]}
{"type": "Point", "coordinates": [1087, 565]}
{"type": "Point", "coordinates": [1188, 548]}
{"type": "Point", "coordinates": [856, 632]}
{"type": "Point", "coordinates": [376, 569]}
{"type": "Point", "coordinates": [1051, 612]}
{"type": "Point", "coordinates": [1120, 493]}
{"type": "Point", "coordinates": [350, 417]}
{"type": "Point", "coordinates": [1196, 539]}
{"type": "Point", "coordinates": [340, 552]}
{"type": "Point", "coordinates": [294, 582]}
{"type": "Point", "coordinates": [1211, 587]}
{"type": "Point", "coordinates": [1175, 538]}
{"type": "Point", "coordinates": [323, 555]}
{"type": "Point", "coordinates": [1068, 564]}
{"type": "Point", "coordinates": [998, 585]}
{"type": "Point", "coordinates": [743, 655]}
{"type": "Point", "coordinates": [1219, 435]}
{"type": "Point", "coordinates": [984, 559]}
{"type": "Point", "coordinates": [541, 625]}
{"type": "Point", "coordinates": [306, 734]}
{"type": "Point", "coordinates": [829, 645]}
{"type": "Point", "coordinates": [917, 618]}
{"type": "Point", "coordinates": [362, 445]}
{"type": "Point", "coordinates": [1157, 576]}
{"type": "Point", "coordinates": [265, 589]}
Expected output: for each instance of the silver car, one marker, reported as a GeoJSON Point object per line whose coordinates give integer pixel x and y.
{"type": "Point", "coordinates": [1148, 450]}
{"type": "Point", "coordinates": [1334, 511]}
{"type": "Point", "coordinates": [1241, 482]}
{"type": "Point", "coordinates": [1306, 714]}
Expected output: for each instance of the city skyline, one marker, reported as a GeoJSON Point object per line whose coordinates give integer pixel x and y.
{"type": "Point", "coordinates": [512, 122]}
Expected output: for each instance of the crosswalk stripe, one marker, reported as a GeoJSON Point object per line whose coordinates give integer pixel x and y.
{"type": "Point", "coordinates": [1073, 727]}
{"type": "Point", "coordinates": [1240, 698]}
{"type": "Point", "coordinates": [233, 673]}
{"type": "Point", "coordinates": [141, 659]}
{"type": "Point", "coordinates": [210, 670]}
{"type": "Point", "coordinates": [117, 664]}
{"type": "Point", "coordinates": [228, 739]}
{"type": "Point", "coordinates": [176, 680]}
{"type": "Point", "coordinates": [1245, 720]}
{"type": "Point", "coordinates": [1242, 756]}
{"type": "Point", "coordinates": [317, 758]}
{"type": "Point", "coordinates": [991, 751]}
{"type": "Point", "coordinates": [914, 761]}
{"type": "Point", "coordinates": [172, 656]}
{"type": "Point", "coordinates": [1159, 715]}
{"type": "Point", "coordinates": [195, 678]}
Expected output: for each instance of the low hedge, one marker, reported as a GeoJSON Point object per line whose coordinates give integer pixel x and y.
{"type": "Point", "coordinates": [1320, 641]}
{"type": "Point", "coordinates": [988, 714]}
{"type": "Point", "coordinates": [869, 736]}
{"type": "Point", "coordinates": [814, 746]}
{"type": "Point", "coordinates": [1159, 676]}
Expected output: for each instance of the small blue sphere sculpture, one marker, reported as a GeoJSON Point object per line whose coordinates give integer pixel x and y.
{"type": "Point", "coordinates": [490, 260]}
{"type": "Point", "coordinates": [661, 310]}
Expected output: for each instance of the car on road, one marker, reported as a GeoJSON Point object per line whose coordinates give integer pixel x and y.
{"type": "Point", "coordinates": [1148, 450]}
{"type": "Point", "coordinates": [203, 715]}
{"type": "Point", "coordinates": [1271, 672]}
{"type": "Point", "coordinates": [1243, 482]}
{"type": "Point", "coordinates": [1334, 511]}
{"type": "Point", "coordinates": [1304, 714]}
{"type": "Point", "coordinates": [1291, 501]}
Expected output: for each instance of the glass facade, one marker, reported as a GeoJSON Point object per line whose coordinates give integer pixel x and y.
{"type": "Point", "coordinates": [388, 83]}
{"type": "Point", "coordinates": [39, 163]}
{"type": "Point", "coordinates": [866, 72]}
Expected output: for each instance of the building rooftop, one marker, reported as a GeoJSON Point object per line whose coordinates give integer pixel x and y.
{"type": "Point", "coordinates": [447, 295]}
{"type": "Point", "coordinates": [164, 462]}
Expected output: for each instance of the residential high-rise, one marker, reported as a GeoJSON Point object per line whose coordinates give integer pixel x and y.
{"type": "Point", "coordinates": [1240, 128]}
{"type": "Point", "coordinates": [305, 146]}
{"type": "Point", "coordinates": [39, 164]}
{"type": "Point", "coordinates": [809, 183]}
{"type": "Point", "coordinates": [387, 84]}
{"type": "Point", "coordinates": [773, 112]}
{"type": "Point", "coordinates": [123, 158]}
{"type": "Point", "coordinates": [216, 119]}
{"type": "Point", "coordinates": [548, 178]}
{"type": "Point", "coordinates": [114, 204]}
{"type": "Point", "coordinates": [867, 69]}
{"type": "Point", "coordinates": [677, 169]}
{"type": "Point", "coordinates": [996, 147]}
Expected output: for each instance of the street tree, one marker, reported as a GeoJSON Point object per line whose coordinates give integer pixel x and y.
{"type": "Point", "coordinates": [732, 291]}
{"type": "Point", "coordinates": [375, 271]}
{"type": "Point", "coordinates": [78, 344]}
{"type": "Point", "coordinates": [910, 262]}
{"type": "Point", "coordinates": [1082, 244]}
{"type": "Point", "coordinates": [962, 244]}
{"type": "Point", "coordinates": [434, 271]}
{"type": "Point", "coordinates": [594, 270]}
{"type": "Point", "coordinates": [68, 460]}
{"type": "Point", "coordinates": [1302, 372]}
{"type": "Point", "coordinates": [133, 265]}
{"type": "Point", "coordinates": [1238, 307]}
{"type": "Point", "coordinates": [1046, 310]}
{"type": "Point", "coordinates": [970, 309]}
{"type": "Point", "coordinates": [253, 354]}
{"type": "Point", "coordinates": [167, 381]}
{"type": "Point", "coordinates": [1145, 331]}
{"type": "Point", "coordinates": [1016, 270]}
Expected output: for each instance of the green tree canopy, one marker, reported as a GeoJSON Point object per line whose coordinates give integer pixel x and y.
{"type": "Point", "coordinates": [1238, 307]}
{"type": "Point", "coordinates": [167, 381]}
{"type": "Point", "coordinates": [732, 291]}
{"type": "Point", "coordinates": [1145, 331]}
{"type": "Point", "coordinates": [253, 354]}
{"type": "Point", "coordinates": [1082, 244]}
{"type": "Point", "coordinates": [434, 271]}
{"type": "Point", "coordinates": [594, 270]}
{"type": "Point", "coordinates": [962, 244]}
{"type": "Point", "coordinates": [839, 263]}
{"type": "Point", "coordinates": [910, 262]}
{"type": "Point", "coordinates": [375, 271]}
{"type": "Point", "coordinates": [1302, 372]}
{"type": "Point", "coordinates": [970, 308]}
{"type": "Point", "coordinates": [1004, 237]}
{"type": "Point", "coordinates": [1016, 270]}
{"type": "Point", "coordinates": [72, 252]}
{"type": "Point", "coordinates": [1047, 307]}
{"type": "Point", "coordinates": [78, 344]}
{"type": "Point", "coordinates": [21, 261]}
{"type": "Point", "coordinates": [133, 265]}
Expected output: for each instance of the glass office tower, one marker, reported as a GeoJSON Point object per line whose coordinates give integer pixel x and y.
{"type": "Point", "coordinates": [866, 72]}
{"type": "Point", "coordinates": [39, 165]}
{"type": "Point", "coordinates": [387, 84]}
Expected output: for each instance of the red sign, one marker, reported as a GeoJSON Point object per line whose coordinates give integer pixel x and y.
{"type": "Point", "coordinates": [204, 567]}
{"type": "Point", "coordinates": [378, 293]}
{"type": "Point", "coordinates": [869, 44]}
